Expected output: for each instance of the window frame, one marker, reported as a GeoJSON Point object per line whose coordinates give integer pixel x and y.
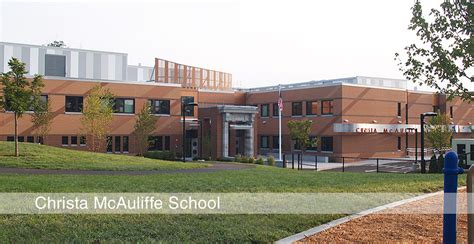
{"type": "Point", "coordinates": [152, 104]}
{"type": "Point", "coordinates": [293, 111]}
{"type": "Point", "coordinates": [67, 141]}
{"type": "Point", "coordinates": [324, 147]}
{"type": "Point", "coordinates": [275, 110]}
{"type": "Point", "coordinates": [331, 107]}
{"type": "Point", "coordinates": [267, 140]}
{"type": "Point", "coordinates": [309, 108]}
{"type": "Point", "coordinates": [262, 110]}
{"type": "Point", "coordinates": [76, 100]}
{"type": "Point", "coordinates": [116, 111]}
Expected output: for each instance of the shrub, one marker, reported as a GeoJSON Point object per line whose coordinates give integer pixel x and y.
{"type": "Point", "coordinates": [244, 159]}
{"type": "Point", "coordinates": [259, 160]}
{"type": "Point", "coordinates": [271, 160]}
{"type": "Point", "coordinates": [238, 158]}
{"type": "Point", "coordinates": [163, 155]}
{"type": "Point", "coordinates": [433, 165]}
{"type": "Point", "coordinates": [251, 160]}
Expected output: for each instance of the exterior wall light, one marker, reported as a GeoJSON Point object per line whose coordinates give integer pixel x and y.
{"type": "Point", "coordinates": [374, 121]}
{"type": "Point", "coordinates": [346, 120]}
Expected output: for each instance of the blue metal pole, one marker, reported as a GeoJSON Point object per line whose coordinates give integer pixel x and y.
{"type": "Point", "coordinates": [451, 171]}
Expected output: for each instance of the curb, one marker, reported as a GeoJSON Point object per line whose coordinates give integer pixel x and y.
{"type": "Point", "coordinates": [323, 227]}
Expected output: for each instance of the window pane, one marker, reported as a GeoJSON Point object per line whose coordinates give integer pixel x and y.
{"type": "Point", "coordinates": [65, 140]}
{"type": "Point", "coordinates": [264, 112]}
{"type": "Point", "coordinates": [297, 108]}
{"type": "Point", "coordinates": [311, 108]}
{"type": "Point", "coordinates": [167, 143]}
{"type": "Point", "coordinates": [117, 144]}
{"type": "Point", "coordinates": [30, 139]}
{"type": "Point", "coordinates": [326, 144]}
{"type": "Point", "coordinates": [74, 104]}
{"type": "Point", "coordinates": [21, 139]}
{"type": "Point", "coordinates": [313, 147]}
{"type": "Point", "coordinates": [73, 140]}
{"type": "Point", "coordinates": [129, 106]}
{"type": "Point", "coordinates": [326, 107]}
{"type": "Point", "coordinates": [10, 138]}
{"type": "Point", "coordinates": [109, 144]}
{"type": "Point", "coordinates": [125, 143]}
{"type": "Point", "coordinates": [264, 142]}
{"type": "Point", "coordinates": [189, 110]}
{"type": "Point", "coordinates": [83, 140]}
{"type": "Point", "coordinates": [276, 142]}
{"type": "Point", "coordinates": [275, 109]}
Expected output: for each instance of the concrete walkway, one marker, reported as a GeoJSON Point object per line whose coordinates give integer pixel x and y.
{"type": "Point", "coordinates": [213, 168]}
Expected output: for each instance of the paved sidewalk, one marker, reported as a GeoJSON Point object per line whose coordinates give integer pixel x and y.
{"type": "Point", "coordinates": [213, 168]}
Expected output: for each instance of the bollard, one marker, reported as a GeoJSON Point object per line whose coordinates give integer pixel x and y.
{"type": "Point", "coordinates": [451, 171]}
{"type": "Point", "coordinates": [284, 160]}
{"type": "Point", "coordinates": [292, 161]}
{"type": "Point", "coordinates": [316, 163]}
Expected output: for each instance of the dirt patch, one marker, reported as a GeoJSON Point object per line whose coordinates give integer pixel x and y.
{"type": "Point", "coordinates": [385, 226]}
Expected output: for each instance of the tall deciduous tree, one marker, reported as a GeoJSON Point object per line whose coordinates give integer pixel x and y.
{"type": "Point", "coordinates": [300, 131]}
{"type": "Point", "coordinates": [144, 126]}
{"type": "Point", "coordinates": [439, 132]}
{"type": "Point", "coordinates": [444, 58]}
{"type": "Point", "coordinates": [19, 93]}
{"type": "Point", "coordinates": [41, 119]}
{"type": "Point", "coordinates": [97, 116]}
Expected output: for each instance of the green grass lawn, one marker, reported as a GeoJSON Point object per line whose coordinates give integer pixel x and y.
{"type": "Point", "coordinates": [191, 228]}
{"type": "Point", "coordinates": [45, 157]}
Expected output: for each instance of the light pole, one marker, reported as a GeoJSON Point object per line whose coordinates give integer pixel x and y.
{"type": "Point", "coordinates": [422, 125]}
{"type": "Point", "coordinates": [184, 109]}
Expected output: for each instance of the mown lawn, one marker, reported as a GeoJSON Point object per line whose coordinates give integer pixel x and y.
{"type": "Point", "coordinates": [36, 156]}
{"type": "Point", "coordinates": [191, 228]}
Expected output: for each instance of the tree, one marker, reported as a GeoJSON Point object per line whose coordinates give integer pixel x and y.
{"type": "Point", "coordinates": [144, 126]}
{"type": "Point", "coordinates": [19, 93]}
{"type": "Point", "coordinates": [444, 59]}
{"type": "Point", "coordinates": [41, 119]}
{"type": "Point", "coordinates": [97, 116]}
{"type": "Point", "coordinates": [57, 44]}
{"type": "Point", "coordinates": [439, 132]}
{"type": "Point", "coordinates": [300, 131]}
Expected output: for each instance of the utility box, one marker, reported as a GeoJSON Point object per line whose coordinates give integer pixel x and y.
{"type": "Point", "coordinates": [464, 146]}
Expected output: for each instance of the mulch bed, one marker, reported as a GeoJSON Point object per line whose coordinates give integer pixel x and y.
{"type": "Point", "coordinates": [395, 228]}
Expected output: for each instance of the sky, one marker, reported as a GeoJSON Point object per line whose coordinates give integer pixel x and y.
{"type": "Point", "coordinates": [260, 42]}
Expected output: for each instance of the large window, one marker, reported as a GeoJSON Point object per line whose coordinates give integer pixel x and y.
{"type": "Point", "coordinates": [82, 141]}
{"type": "Point", "coordinates": [297, 109]}
{"type": "Point", "coordinates": [327, 144]}
{"type": "Point", "coordinates": [55, 65]}
{"type": "Point", "coordinates": [327, 107]}
{"type": "Point", "coordinates": [312, 108]}
{"type": "Point", "coordinates": [159, 106]}
{"type": "Point", "coordinates": [43, 98]}
{"type": "Point", "coordinates": [188, 110]}
{"type": "Point", "coordinates": [124, 106]}
{"type": "Point", "coordinates": [264, 142]}
{"type": "Point", "coordinates": [265, 110]}
{"type": "Point", "coordinates": [275, 109]}
{"type": "Point", "coordinates": [74, 104]}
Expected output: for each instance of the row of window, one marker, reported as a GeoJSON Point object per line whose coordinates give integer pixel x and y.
{"type": "Point", "coordinates": [127, 105]}
{"type": "Point", "coordinates": [326, 143]}
{"type": "Point", "coordinates": [117, 144]}
{"type": "Point", "coordinates": [312, 108]}
{"type": "Point", "coordinates": [30, 139]}
{"type": "Point", "coordinates": [73, 141]}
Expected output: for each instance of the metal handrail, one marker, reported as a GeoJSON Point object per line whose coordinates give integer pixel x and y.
{"type": "Point", "coordinates": [470, 215]}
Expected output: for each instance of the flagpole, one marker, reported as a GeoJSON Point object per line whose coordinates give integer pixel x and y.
{"type": "Point", "coordinates": [279, 125]}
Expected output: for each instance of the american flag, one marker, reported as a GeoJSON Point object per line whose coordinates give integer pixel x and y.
{"type": "Point", "coordinates": [280, 100]}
